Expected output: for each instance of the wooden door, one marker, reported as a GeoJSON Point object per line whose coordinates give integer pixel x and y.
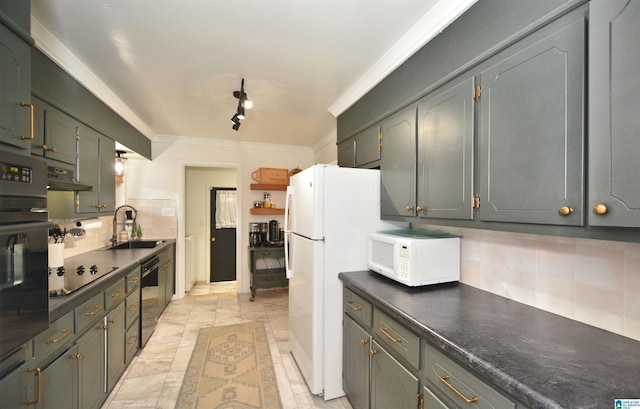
{"type": "Point", "coordinates": [222, 245]}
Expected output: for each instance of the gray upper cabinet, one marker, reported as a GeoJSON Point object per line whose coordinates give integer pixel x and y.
{"type": "Point", "coordinates": [398, 164]}
{"type": "Point", "coordinates": [614, 108]}
{"type": "Point", "coordinates": [56, 133]}
{"type": "Point", "coordinates": [367, 147]}
{"type": "Point", "coordinates": [15, 98]}
{"type": "Point", "coordinates": [531, 130]}
{"type": "Point", "coordinates": [445, 151]}
{"type": "Point", "coordinates": [96, 155]}
{"type": "Point", "coordinates": [347, 154]}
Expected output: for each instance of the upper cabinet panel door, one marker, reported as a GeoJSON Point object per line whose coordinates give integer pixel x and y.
{"type": "Point", "coordinates": [347, 153]}
{"type": "Point", "coordinates": [614, 113]}
{"type": "Point", "coordinates": [15, 81]}
{"type": "Point", "coordinates": [398, 164]}
{"type": "Point", "coordinates": [445, 152]}
{"type": "Point", "coordinates": [367, 147]}
{"type": "Point", "coordinates": [531, 128]}
{"type": "Point", "coordinates": [61, 135]}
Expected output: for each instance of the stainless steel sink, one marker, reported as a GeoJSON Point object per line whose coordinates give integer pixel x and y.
{"type": "Point", "coordinates": [138, 244]}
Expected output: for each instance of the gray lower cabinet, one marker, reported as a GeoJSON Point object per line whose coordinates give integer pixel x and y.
{"type": "Point", "coordinates": [18, 388]}
{"type": "Point", "coordinates": [392, 385]}
{"type": "Point", "coordinates": [356, 344]}
{"type": "Point", "coordinates": [398, 164]}
{"type": "Point", "coordinates": [56, 133]}
{"type": "Point", "coordinates": [445, 151]}
{"type": "Point", "coordinates": [59, 380]}
{"type": "Point", "coordinates": [531, 127]}
{"type": "Point", "coordinates": [115, 324]}
{"type": "Point", "coordinates": [96, 155]}
{"type": "Point", "coordinates": [614, 125]}
{"type": "Point", "coordinates": [91, 364]}
{"type": "Point", "coordinates": [15, 98]}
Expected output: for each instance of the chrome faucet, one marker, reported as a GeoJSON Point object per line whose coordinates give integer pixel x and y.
{"type": "Point", "coordinates": [114, 236]}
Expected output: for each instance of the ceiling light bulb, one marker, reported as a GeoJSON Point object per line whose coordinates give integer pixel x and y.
{"type": "Point", "coordinates": [240, 113]}
{"type": "Point", "coordinates": [247, 103]}
{"type": "Point", "coordinates": [119, 168]}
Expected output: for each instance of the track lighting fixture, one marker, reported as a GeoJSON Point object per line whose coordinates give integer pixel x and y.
{"type": "Point", "coordinates": [243, 102]}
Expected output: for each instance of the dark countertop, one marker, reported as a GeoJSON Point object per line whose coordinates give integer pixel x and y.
{"type": "Point", "coordinates": [541, 359]}
{"type": "Point", "coordinates": [123, 259]}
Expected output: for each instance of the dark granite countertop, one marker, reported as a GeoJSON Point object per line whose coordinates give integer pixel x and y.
{"type": "Point", "coordinates": [541, 359]}
{"type": "Point", "coordinates": [122, 260]}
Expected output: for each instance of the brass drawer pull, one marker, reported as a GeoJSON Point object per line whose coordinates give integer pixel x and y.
{"type": "Point", "coordinates": [118, 294]}
{"type": "Point", "coordinates": [364, 342]}
{"type": "Point", "coordinates": [350, 304]}
{"type": "Point", "coordinates": [38, 371]}
{"type": "Point", "coordinates": [134, 340]}
{"type": "Point", "coordinates": [134, 308]}
{"type": "Point", "coordinates": [134, 280]}
{"type": "Point", "coordinates": [444, 379]}
{"type": "Point", "coordinates": [65, 332]}
{"type": "Point", "coordinates": [94, 312]}
{"type": "Point", "coordinates": [386, 333]}
{"type": "Point", "coordinates": [31, 121]}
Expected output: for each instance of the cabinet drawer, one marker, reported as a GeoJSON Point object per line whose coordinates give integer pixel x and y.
{"type": "Point", "coordinates": [58, 333]}
{"type": "Point", "coordinates": [452, 380]}
{"type": "Point", "coordinates": [396, 337]}
{"type": "Point", "coordinates": [132, 340]}
{"type": "Point", "coordinates": [271, 279]}
{"type": "Point", "coordinates": [132, 305]}
{"type": "Point", "coordinates": [89, 311]}
{"type": "Point", "coordinates": [133, 280]}
{"type": "Point", "coordinates": [357, 308]}
{"type": "Point", "coordinates": [114, 294]}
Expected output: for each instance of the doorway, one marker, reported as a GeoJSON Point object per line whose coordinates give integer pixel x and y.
{"type": "Point", "coordinates": [223, 212]}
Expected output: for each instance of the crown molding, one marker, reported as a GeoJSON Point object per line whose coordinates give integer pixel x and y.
{"type": "Point", "coordinates": [46, 42]}
{"type": "Point", "coordinates": [429, 26]}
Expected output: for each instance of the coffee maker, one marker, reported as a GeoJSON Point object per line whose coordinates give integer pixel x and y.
{"type": "Point", "coordinates": [257, 234]}
{"type": "Point", "coordinates": [274, 232]}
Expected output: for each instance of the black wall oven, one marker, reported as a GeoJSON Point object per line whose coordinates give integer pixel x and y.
{"type": "Point", "coordinates": [24, 235]}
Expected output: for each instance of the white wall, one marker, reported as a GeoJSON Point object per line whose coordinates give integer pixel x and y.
{"type": "Point", "coordinates": [165, 178]}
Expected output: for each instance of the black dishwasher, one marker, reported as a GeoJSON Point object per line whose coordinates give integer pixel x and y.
{"type": "Point", "coordinates": [150, 302]}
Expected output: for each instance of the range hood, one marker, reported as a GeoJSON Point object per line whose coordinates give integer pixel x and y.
{"type": "Point", "coordinates": [62, 179]}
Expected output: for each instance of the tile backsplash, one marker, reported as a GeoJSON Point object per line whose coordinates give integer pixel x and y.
{"type": "Point", "coordinates": [593, 281]}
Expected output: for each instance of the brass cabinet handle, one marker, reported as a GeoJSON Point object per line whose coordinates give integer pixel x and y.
{"type": "Point", "coordinates": [134, 308]}
{"type": "Point", "coordinates": [77, 356]}
{"type": "Point", "coordinates": [134, 340]}
{"type": "Point", "coordinates": [384, 331]}
{"type": "Point", "coordinates": [419, 209]}
{"type": "Point", "coordinates": [94, 312]}
{"type": "Point", "coordinates": [600, 209]}
{"type": "Point", "coordinates": [134, 280]}
{"type": "Point", "coordinates": [408, 208]}
{"type": "Point", "coordinates": [38, 372]}
{"type": "Point", "coordinates": [112, 321]}
{"type": "Point", "coordinates": [355, 308]}
{"type": "Point", "coordinates": [565, 211]}
{"type": "Point", "coordinates": [118, 294]}
{"type": "Point", "coordinates": [444, 379]}
{"type": "Point", "coordinates": [372, 352]}
{"type": "Point", "coordinates": [364, 342]}
{"type": "Point", "coordinates": [31, 109]}
{"type": "Point", "coordinates": [65, 332]}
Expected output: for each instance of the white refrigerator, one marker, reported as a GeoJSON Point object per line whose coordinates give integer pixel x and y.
{"type": "Point", "coordinates": [329, 212]}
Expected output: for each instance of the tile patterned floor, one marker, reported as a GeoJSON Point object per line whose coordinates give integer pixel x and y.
{"type": "Point", "coordinates": [154, 377]}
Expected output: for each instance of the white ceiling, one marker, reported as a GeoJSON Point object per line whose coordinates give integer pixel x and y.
{"type": "Point", "coordinates": [169, 67]}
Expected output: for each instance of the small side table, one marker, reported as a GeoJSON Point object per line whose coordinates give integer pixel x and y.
{"type": "Point", "coordinates": [267, 268]}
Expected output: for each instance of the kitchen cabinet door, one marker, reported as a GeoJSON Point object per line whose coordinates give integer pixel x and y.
{"type": "Point", "coordinates": [15, 77]}
{"type": "Point", "coordinates": [398, 164]}
{"type": "Point", "coordinates": [445, 152]}
{"type": "Point", "coordinates": [56, 133]}
{"type": "Point", "coordinates": [96, 158]}
{"type": "Point", "coordinates": [115, 322]}
{"type": "Point", "coordinates": [531, 128]}
{"type": "Point", "coordinates": [18, 388]}
{"type": "Point", "coordinates": [347, 154]}
{"type": "Point", "coordinates": [91, 379]}
{"type": "Point", "coordinates": [392, 385]}
{"type": "Point", "coordinates": [59, 382]}
{"type": "Point", "coordinates": [367, 146]}
{"type": "Point", "coordinates": [356, 364]}
{"type": "Point", "coordinates": [614, 107]}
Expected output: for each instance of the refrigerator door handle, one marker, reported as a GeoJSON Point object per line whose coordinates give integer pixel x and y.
{"type": "Point", "coordinates": [287, 232]}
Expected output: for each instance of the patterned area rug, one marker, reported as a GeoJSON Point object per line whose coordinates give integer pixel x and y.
{"type": "Point", "coordinates": [230, 367]}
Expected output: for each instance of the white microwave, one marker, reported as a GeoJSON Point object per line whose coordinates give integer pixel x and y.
{"type": "Point", "coordinates": [415, 257]}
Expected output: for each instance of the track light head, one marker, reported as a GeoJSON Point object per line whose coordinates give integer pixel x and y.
{"type": "Point", "coordinates": [240, 113]}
